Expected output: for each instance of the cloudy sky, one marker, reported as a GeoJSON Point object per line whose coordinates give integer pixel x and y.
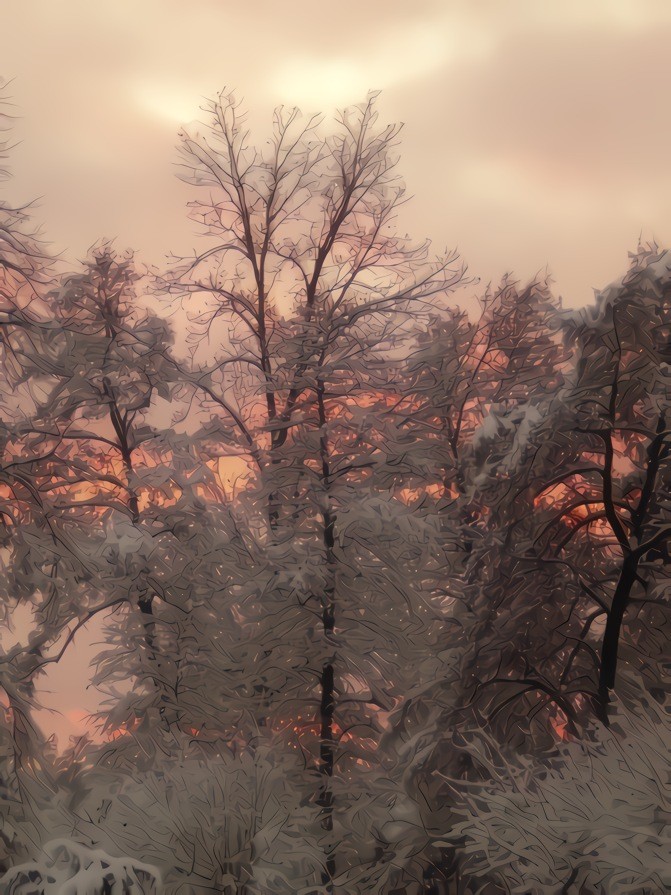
{"type": "Point", "coordinates": [536, 133]}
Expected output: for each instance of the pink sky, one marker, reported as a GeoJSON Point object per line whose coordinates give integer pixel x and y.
{"type": "Point", "coordinates": [536, 132]}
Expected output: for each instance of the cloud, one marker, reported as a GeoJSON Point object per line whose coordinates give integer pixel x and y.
{"type": "Point", "coordinates": [524, 118]}
{"type": "Point", "coordinates": [174, 103]}
{"type": "Point", "coordinates": [394, 55]}
{"type": "Point", "coordinates": [623, 16]}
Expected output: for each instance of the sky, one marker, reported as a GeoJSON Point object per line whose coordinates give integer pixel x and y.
{"type": "Point", "coordinates": [537, 135]}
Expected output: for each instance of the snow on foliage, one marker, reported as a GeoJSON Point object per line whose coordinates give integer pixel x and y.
{"type": "Point", "coordinates": [67, 868]}
{"type": "Point", "coordinates": [593, 816]}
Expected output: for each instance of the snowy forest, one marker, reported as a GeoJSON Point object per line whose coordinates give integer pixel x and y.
{"type": "Point", "coordinates": [381, 554]}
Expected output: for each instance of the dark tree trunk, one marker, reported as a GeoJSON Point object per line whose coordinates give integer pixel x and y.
{"type": "Point", "coordinates": [327, 706]}
{"type": "Point", "coordinates": [328, 701]}
{"type": "Point", "coordinates": [611, 636]}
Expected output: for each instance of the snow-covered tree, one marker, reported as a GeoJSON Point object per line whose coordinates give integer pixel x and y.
{"type": "Point", "coordinates": [305, 283]}
{"type": "Point", "coordinates": [428, 619]}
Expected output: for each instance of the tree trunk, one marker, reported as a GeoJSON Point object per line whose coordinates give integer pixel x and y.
{"type": "Point", "coordinates": [145, 602]}
{"type": "Point", "coordinates": [611, 636]}
{"type": "Point", "coordinates": [327, 707]}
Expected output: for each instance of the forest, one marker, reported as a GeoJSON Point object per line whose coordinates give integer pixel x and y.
{"type": "Point", "coordinates": [381, 554]}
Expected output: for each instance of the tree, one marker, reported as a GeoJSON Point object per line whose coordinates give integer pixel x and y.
{"type": "Point", "coordinates": [565, 584]}
{"type": "Point", "coordinates": [615, 467]}
{"type": "Point", "coordinates": [306, 270]}
{"type": "Point", "coordinates": [304, 248]}
{"type": "Point", "coordinates": [465, 371]}
{"type": "Point", "coordinates": [577, 488]}
{"type": "Point", "coordinates": [109, 369]}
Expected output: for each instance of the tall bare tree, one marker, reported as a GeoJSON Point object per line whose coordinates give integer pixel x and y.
{"type": "Point", "coordinates": [305, 272]}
